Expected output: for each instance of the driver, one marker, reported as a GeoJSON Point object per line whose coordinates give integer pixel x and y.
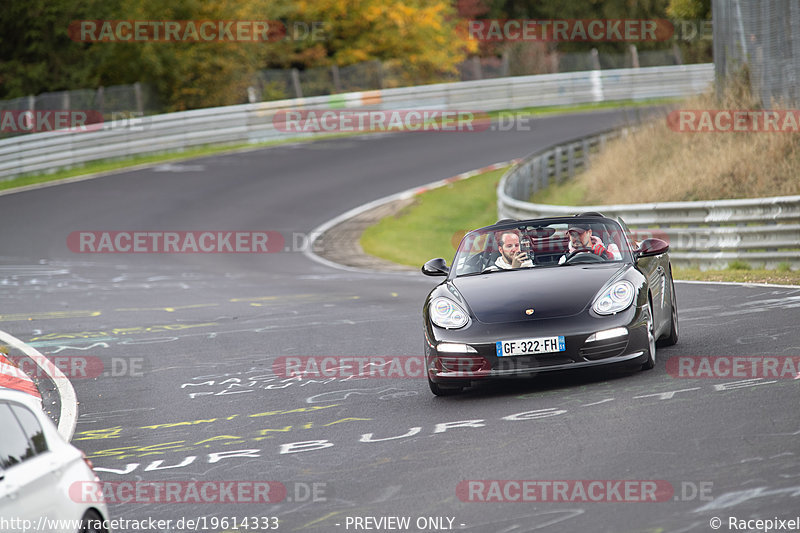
{"type": "Point", "coordinates": [581, 238]}
{"type": "Point", "coordinates": [510, 254]}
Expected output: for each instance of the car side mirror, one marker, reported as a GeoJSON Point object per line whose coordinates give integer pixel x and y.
{"type": "Point", "coordinates": [435, 267]}
{"type": "Point", "coordinates": [651, 247]}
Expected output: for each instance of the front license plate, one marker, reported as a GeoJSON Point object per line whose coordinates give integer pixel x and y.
{"type": "Point", "coordinates": [530, 346]}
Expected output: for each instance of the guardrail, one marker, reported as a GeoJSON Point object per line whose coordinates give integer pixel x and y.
{"type": "Point", "coordinates": [253, 123]}
{"type": "Point", "coordinates": [760, 231]}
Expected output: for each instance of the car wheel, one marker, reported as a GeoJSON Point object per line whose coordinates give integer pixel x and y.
{"type": "Point", "coordinates": [651, 340]}
{"type": "Point", "coordinates": [92, 522]}
{"type": "Point", "coordinates": [444, 390]}
{"type": "Point", "coordinates": [672, 338]}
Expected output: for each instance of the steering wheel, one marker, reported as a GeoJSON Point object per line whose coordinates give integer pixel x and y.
{"type": "Point", "coordinates": [575, 253]}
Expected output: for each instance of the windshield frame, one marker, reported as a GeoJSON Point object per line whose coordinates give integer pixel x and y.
{"type": "Point", "coordinates": [555, 244]}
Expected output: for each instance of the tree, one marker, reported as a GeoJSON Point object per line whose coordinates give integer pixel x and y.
{"type": "Point", "coordinates": [186, 74]}
{"type": "Point", "coordinates": [424, 35]}
{"type": "Point", "coordinates": [36, 53]}
{"type": "Point", "coordinates": [689, 9]}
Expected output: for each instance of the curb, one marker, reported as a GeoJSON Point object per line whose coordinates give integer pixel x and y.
{"type": "Point", "coordinates": [11, 377]}
{"type": "Point", "coordinates": [68, 418]}
{"type": "Point", "coordinates": [356, 259]}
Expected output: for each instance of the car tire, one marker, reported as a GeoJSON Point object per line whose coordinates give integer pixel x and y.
{"type": "Point", "coordinates": [91, 518]}
{"type": "Point", "coordinates": [444, 390]}
{"type": "Point", "coordinates": [672, 338]}
{"type": "Point", "coordinates": [651, 340]}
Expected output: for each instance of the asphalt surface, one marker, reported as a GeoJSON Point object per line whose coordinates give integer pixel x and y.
{"type": "Point", "coordinates": [187, 344]}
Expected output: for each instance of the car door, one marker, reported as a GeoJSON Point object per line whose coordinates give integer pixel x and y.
{"type": "Point", "coordinates": [28, 482]}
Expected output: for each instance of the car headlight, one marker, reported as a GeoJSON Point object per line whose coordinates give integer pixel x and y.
{"type": "Point", "coordinates": [614, 299]}
{"type": "Point", "coordinates": [445, 313]}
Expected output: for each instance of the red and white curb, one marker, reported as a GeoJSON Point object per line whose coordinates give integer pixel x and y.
{"type": "Point", "coordinates": [12, 377]}
{"type": "Point", "coordinates": [403, 195]}
{"type": "Point", "coordinates": [68, 416]}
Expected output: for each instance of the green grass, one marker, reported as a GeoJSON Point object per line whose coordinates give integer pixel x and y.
{"type": "Point", "coordinates": [753, 275]}
{"type": "Point", "coordinates": [580, 108]}
{"type": "Point", "coordinates": [739, 265]}
{"type": "Point", "coordinates": [434, 224]}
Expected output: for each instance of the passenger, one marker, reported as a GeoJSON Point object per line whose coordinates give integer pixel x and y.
{"type": "Point", "coordinates": [581, 239]}
{"type": "Point", "coordinates": [510, 254]}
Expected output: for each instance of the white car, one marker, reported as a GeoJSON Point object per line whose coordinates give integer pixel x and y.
{"type": "Point", "coordinates": [37, 469]}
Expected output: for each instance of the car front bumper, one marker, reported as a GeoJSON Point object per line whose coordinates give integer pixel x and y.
{"type": "Point", "coordinates": [480, 360]}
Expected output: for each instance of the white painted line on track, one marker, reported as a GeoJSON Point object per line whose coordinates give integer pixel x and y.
{"type": "Point", "coordinates": [68, 417]}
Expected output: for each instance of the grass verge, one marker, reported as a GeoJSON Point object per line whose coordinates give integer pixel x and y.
{"type": "Point", "coordinates": [434, 224]}
{"type": "Point", "coordinates": [778, 277]}
{"type": "Point", "coordinates": [659, 162]}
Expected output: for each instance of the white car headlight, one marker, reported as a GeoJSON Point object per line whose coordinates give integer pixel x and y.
{"type": "Point", "coordinates": [445, 313]}
{"type": "Point", "coordinates": [614, 299]}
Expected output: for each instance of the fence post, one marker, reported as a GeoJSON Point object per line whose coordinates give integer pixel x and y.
{"type": "Point", "coordinates": [137, 94]}
{"type": "Point", "coordinates": [476, 68]}
{"type": "Point", "coordinates": [298, 90]}
{"type": "Point", "coordinates": [586, 151]}
{"type": "Point", "coordinates": [380, 73]}
{"type": "Point", "coordinates": [634, 56]}
{"type": "Point", "coordinates": [558, 164]}
{"type": "Point", "coordinates": [337, 82]}
{"type": "Point", "coordinates": [100, 99]}
{"type": "Point", "coordinates": [595, 59]}
{"type": "Point", "coordinates": [676, 51]}
{"type": "Point", "coordinates": [505, 65]}
{"type": "Point", "coordinates": [571, 160]}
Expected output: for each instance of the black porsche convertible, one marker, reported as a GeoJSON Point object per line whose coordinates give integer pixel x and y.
{"type": "Point", "coordinates": [524, 297]}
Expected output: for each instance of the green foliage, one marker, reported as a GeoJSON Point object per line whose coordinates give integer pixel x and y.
{"type": "Point", "coordinates": [434, 225]}
{"type": "Point", "coordinates": [738, 265]}
{"type": "Point", "coordinates": [689, 9]}
{"type": "Point", "coordinates": [422, 35]}
{"type": "Point", "coordinates": [36, 53]}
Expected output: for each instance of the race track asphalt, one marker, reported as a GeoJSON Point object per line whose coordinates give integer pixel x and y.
{"type": "Point", "coordinates": [180, 351]}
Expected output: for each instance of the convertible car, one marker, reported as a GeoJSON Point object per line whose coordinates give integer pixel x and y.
{"type": "Point", "coordinates": [524, 297]}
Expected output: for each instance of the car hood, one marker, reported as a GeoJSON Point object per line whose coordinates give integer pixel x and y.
{"type": "Point", "coordinates": [551, 292]}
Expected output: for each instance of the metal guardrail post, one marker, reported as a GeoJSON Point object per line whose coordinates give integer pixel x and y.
{"type": "Point", "coordinates": [558, 163]}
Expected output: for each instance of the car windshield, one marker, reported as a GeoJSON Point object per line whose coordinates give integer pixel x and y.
{"type": "Point", "coordinates": [537, 244]}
